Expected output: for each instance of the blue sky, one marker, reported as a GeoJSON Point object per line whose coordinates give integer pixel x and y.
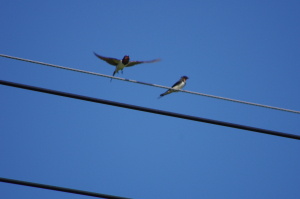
{"type": "Point", "coordinates": [245, 50]}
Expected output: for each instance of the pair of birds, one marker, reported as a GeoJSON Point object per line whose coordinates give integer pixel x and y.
{"type": "Point", "coordinates": [121, 64]}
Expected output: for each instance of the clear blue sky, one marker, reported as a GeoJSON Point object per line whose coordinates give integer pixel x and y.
{"type": "Point", "coordinates": [245, 50]}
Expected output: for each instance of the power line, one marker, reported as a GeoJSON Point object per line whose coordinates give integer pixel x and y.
{"type": "Point", "coordinates": [139, 108]}
{"type": "Point", "coordinates": [55, 188]}
{"type": "Point", "coordinates": [148, 84]}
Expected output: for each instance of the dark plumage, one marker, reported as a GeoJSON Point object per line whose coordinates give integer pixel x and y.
{"type": "Point", "coordinates": [178, 85]}
{"type": "Point", "coordinates": [120, 64]}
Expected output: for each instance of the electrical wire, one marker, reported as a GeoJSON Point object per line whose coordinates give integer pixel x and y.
{"type": "Point", "coordinates": [149, 110]}
{"type": "Point", "coordinates": [55, 188]}
{"type": "Point", "coordinates": [148, 84]}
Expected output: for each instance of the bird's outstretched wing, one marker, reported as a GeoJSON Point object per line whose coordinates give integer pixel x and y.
{"type": "Point", "coordinates": [111, 61]}
{"type": "Point", "coordinates": [132, 63]}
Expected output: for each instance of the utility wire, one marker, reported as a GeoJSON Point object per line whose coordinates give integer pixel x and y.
{"type": "Point", "coordinates": [75, 191]}
{"type": "Point", "coordinates": [139, 108]}
{"type": "Point", "coordinates": [155, 85]}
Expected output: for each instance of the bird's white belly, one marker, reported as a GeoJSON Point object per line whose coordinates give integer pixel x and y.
{"type": "Point", "coordinates": [120, 66]}
{"type": "Point", "coordinates": [179, 86]}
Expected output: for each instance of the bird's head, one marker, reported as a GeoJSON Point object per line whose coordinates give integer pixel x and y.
{"type": "Point", "coordinates": [184, 77]}
{"type": "Point", "coordinates": [125, 59]}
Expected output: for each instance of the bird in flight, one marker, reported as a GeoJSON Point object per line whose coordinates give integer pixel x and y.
{"type": "Point", "coordinates": [121, 64]}
{"type": "Point", "coordinates": [178, 85]}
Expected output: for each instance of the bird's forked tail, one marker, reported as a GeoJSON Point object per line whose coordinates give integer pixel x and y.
{"type": "Point", "coordinates": [114, 74]}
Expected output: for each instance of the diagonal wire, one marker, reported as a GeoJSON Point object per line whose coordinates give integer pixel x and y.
{"type": "Point", "coordinates": [149, 110]}
{"type": "Point", "coordinates": [63, 189]}
{"type": "Point", "coordinates": [148, 84]}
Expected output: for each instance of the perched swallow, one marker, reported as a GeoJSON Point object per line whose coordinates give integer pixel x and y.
{"type": "Point", "coordinates": [120, 64]}
{"type": "Point", "coordinates": [178, 85]}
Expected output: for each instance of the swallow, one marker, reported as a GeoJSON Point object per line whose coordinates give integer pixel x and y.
{"type": "Point", "coordinates": [121, 64]}
{"type": "Point", "coordinates": [178, 85]}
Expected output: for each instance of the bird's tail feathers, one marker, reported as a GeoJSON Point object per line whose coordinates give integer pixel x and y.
{"type": "Point", "coordinates": [161, 95]}
{"type": "Point", "coordinates": [114, 74]}
{"type": "Point", "coordinates": [165, 93]}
